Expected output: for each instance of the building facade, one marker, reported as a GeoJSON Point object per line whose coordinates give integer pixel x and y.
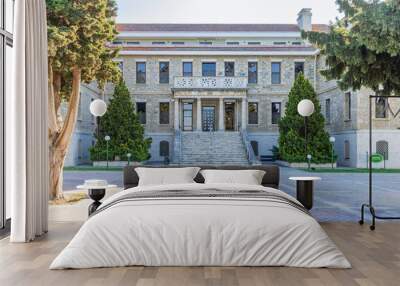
{"type": "Point", "coordinates": [83, 136]}
{"type": "Point", "coordinates": [214, 93]}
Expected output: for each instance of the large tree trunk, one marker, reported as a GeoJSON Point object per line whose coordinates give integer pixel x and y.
{"type": "Point", "coordinates": [60, 133]}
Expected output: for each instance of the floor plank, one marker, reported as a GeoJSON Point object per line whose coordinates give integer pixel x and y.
{"type": "Point", "coordinates": [375, 257]}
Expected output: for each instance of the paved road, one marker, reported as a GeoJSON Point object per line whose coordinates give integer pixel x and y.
{"type": "Point", "coordinates": [338, 196]}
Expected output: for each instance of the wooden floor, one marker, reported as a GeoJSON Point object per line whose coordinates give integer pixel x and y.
{"type": "Point", "coordinates": [375, 257]}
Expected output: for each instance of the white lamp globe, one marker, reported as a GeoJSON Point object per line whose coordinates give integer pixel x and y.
{"type": "Point", "coordinates": [332, 139]}
{"type": "Point", "coordinates": [305, 107]}
{"type": "Point", "coordinates": [107, 138]}
{"type": "Point", "coordinates": [98, 107]}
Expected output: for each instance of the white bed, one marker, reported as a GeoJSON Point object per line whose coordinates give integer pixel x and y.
{"type": "Point", "coordinates": [202, 231]}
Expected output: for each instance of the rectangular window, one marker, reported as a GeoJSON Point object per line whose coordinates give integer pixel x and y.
{"type": "Point", "coordinates": [279, 43]}
{"type": "Point", "coordinates": [133, 43]}
{"type": "Point", "coordinates": [158, 43]}
{"type": "Point", "coordinates": [253, 113]}
{"type": "Point", "coordinates": [205, 43]}
{"type": "Point", "coordinates": [276, 112]}
{"type": "Point", "coordinates": [380, 107]}
{"type": "Point", "coordinates": [254, 43]}
{"type": "Point", "coordinates": [347, 106]}
{"type": "Point", "coordinates": [6, 70]}
{"type": "Point", "coordinates": [187, 116]}
{"type": "Point", "coordinates": [209, 69]}
{"type": "Point", "coordinates": [298, 68]}
{"type": "Point", "coordinates": [178, 43]}
{"type": "Point", "coordinates": [296, 43]}
{"type": "Point", "coordinates": [252, 72]}
{"type": "Point", "coordinates": [346, 150]}
{"type": "Point", "coordinates": [276, 73]}
{"type": "Point", "coordinates": [141, 112]}
{"type": "Point", "coordinates": [187, 69]}
{"type": "Point", "coordinates": [140, 72]}
{"type": "Point", "coordinates": [229, 68]}
{"type": "Point", "coordinates": [164, 112]}
{"type": "Point", "coordinates": [164, 72]}
{"type": "Point", "coordinates": [328, 110]}
{"type": "Point", "coordinates": [232, 43]}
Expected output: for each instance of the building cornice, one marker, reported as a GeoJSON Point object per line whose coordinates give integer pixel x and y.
{"type": "Point", "coordinates": [217, 53]}
{"type": "Point", "coordinates": [206, 35]}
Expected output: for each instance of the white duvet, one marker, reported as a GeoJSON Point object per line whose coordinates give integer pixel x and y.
{"type": "Point", "coordinates": [199, 231]}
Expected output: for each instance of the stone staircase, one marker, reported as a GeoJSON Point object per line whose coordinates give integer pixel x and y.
{"type": "Point", "coordinates": [213, 148]}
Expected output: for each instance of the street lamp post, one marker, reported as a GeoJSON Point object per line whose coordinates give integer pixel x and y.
{"type": "Point", "coordinates": [129, 158]}
{"type": "Point", "coordinates": [107, 138]}
{"type": "Point", "coordinates": [309, 157]}
{"type": "Point", "coordinates": [98, 108]}
{"type": "Point", "coordinates": [332, 140]}
{"type": "Point", "coordinates": [306, 108]}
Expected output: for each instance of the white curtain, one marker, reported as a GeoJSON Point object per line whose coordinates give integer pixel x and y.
{"type": "Point", "coordinates": [27, 138]}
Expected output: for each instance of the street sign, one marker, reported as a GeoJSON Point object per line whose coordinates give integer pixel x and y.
{"type": "Point", "coordinates": [376, 158]}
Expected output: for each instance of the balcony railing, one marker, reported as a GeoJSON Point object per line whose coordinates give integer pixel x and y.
{"type": "Point", "coordinates": [200, 82]}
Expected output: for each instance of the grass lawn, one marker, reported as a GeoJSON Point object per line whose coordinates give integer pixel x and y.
{"type": "Point", "coordinates": [349, 170]}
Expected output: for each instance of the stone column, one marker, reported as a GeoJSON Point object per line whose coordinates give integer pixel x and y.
{"type": "Point", "coordinates": [198, 115]}
{"type": "Point", "coordinates": [221, 118]}
{"type": "Point", "coordinates": [176, 114]}
{"type": "Point", "coordinates": [244, 113]}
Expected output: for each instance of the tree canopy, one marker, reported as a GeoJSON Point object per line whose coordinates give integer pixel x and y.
{"type": "Point", "coordinates": [292, 144]}
{"type": "Point", "coordinates": [363, 47]}
{"type": "Point", "coordinates": [78, 34]}
{"type": "Point", "coordinates": [121, 123]}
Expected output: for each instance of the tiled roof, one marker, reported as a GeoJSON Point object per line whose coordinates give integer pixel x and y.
{"type": "Point", "coordinates": [213, 27]}
{"type": "Point", "coordinates": [320, 28]}
{"type": "Point", "coordinates": [225, 49]}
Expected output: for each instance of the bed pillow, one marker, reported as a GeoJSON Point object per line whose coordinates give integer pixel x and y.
{"type": "Point", "coordinates": [166, 176]}
{"type": "Point", "coordinates": [247, 177]}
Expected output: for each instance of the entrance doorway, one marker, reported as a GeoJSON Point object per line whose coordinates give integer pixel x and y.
{"type": "Point", "coordinates": [187, 116]}
{"type": "Point", "coordinates": [208, 118]}
{"type": "Point", "coordinates": [229, 116]}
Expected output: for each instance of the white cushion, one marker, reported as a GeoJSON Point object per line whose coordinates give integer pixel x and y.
{"type": "Point", "coordinates": [247, 177]}
{"type": "Point", "coordinates": [166, 176]}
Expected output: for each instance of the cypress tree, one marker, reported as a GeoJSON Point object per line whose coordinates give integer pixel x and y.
{"type": "Point", "coordinates": [121, 123]}
{"type": "Point", "coordinates": [292, 128]}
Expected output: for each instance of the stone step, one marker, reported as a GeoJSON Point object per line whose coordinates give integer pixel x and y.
{"type": "Point", "coordinates": [213, 148]}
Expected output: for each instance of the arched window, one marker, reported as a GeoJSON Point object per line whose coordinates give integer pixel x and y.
{"type": "Point", "coordinates": [254, 145]}
{"type": "Point", "coordinates": [164, 148]}
{"type": "Point", "coordinates": [346, 150]}
{"type": "Point", "coordinates": [380, 107]}
{"type": "Point", "coordinates": [382, 147]}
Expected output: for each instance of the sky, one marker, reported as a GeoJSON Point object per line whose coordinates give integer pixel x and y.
{"type": "Point", "coordinates": [223, 11]}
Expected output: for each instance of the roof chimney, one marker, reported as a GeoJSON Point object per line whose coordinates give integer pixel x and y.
{"type": "Point", "coordinates": [304, 19]}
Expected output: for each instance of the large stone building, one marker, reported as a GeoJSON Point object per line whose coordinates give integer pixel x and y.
{"type": "Point", "coordinates": [214, 93]}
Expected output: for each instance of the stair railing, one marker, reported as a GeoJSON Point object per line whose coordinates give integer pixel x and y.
{"type": "Point", "coordinates": [178, 147]}
{"type": "Point", "coordinates": [251, 157]}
